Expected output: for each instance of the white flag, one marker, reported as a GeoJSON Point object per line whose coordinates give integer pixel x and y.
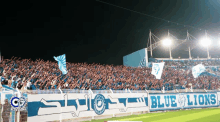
{"type": "Point", "coordinates": [157, 69]}
{"type": "Point", "coordinates": [197, 70]}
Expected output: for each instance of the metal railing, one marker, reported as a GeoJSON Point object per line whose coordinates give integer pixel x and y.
{"type": "Point", "coordinates": [154, 91]}
{"type": "Point", "coordinates": [74, 91]}
{"type": "Point", "coordinates": [57, 91]}
{"type": "Point", "coordinates": [138, 91]}
{"type": "Point", "coordinates": [101, 91]}
{"type": "Point", "coordinates": [120, 91]}
{"type": "Point", "coordinates": [51, 91]}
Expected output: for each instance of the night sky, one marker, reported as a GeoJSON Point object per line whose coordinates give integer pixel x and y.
{"type": "Point", "coordinates": [91, 31]}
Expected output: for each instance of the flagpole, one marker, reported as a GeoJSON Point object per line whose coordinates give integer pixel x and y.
{"type": "Point", "coordinates": [208, 57]}
{"type": "Point", "coordinates": [151, 51]}
{"type": "Point", "coordinates": [190, 57]}
{"type": "Point", "coordinates": [169, 46]}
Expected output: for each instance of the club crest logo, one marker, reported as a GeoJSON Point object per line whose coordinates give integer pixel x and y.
{"type": "Point", "coordinates": [156, 68]}
{"type": "Point", "coordinates": [182, 100]}
{"type": "Point", "coordinates": [99, 104]}
{"type": "Point", "coordinates": [18, 104]}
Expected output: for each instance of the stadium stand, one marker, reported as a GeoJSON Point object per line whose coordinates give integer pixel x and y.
{"type": "Point", "coordinates": [26, 74]}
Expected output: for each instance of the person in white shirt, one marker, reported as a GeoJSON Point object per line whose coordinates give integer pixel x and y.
{"type": "Point", "coordinates": [29, 85]}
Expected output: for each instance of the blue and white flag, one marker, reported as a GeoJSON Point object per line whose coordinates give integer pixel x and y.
{"type": "Point", "coordinates": [7, 87]}
{"type": "Point", "coordinates": [197, 70]}
{"type": "Point", "coordinates": [157, 69]}
{"type": "Point", "coordinates": [61, 63]}
{"type": "Point", "coordinates": [142, 63]}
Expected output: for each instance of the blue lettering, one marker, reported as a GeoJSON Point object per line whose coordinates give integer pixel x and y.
{"type": "Point", "coordinates": [159, 105]}
{"type": "Point", "coordinates": [201, 101]}
{"type": "Point", "coordinates": [213, 100]}
{"type": "Point", "coordinates": [153, 102]}
{"type": "Point", "coordinates": [173, 99]}
{"type": "Point", "coordinates": [167, 102]}
{"type": "Point", "coordinates": [207, 100]}
{"type": "Point", "coordinates": [189, 102]}
{"type": "Point", "coordinates": [195, 96]}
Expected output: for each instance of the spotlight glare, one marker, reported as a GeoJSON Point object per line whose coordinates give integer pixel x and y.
{"type": "Point", "coordinates": [167, 42]}
{"type": "Point", "coordinates": [205, 42]}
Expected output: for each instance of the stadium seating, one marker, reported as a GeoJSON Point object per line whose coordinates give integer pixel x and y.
{"type": "Point", "coordinates": [32, 75]}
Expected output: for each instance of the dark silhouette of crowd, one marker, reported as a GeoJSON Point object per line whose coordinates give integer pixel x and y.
{"type": "Point", "coordinates": [26, 74]}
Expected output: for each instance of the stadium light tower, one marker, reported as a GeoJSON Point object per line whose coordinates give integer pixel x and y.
{"type": "Point", "coordinates": [168, 42]}
{"type": "Point", "coordinates": [206, 42]}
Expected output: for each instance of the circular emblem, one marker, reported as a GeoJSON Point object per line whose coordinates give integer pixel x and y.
{"type": "Point", "coordinates": [22, 102]}
{"type": "Point", "coordinates": [18, 104]}
{"type": "Point", "coordinates": [99, 104]}
{"type": "Point", "coordinates": [15, 102]}
{"type": "Point", "coordinates": [182, 100]}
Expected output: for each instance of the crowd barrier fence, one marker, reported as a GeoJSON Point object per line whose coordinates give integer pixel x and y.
{"type": "Point", "coordinates": [80, 105]}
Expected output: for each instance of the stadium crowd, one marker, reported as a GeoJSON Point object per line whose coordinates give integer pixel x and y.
{"type": "Point", "coordinates": [212, 66]}
{"type": "Point", "coordinates": [27, 74]}
{"type": "Point", "coordinates": [190, 63]}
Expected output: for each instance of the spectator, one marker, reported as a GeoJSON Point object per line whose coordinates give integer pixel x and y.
{"type": "Point", "coordinates": [46, 75]}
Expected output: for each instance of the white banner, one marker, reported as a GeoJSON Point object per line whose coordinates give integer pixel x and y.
{"type": "Point", "coordinates": [218, 93]}
{"type": "Point", "coordinates": [157, 69]}
{"type": "Point", "coordinates": [182, 100]}
{"type": "Point", "coordinates": [50, 107]}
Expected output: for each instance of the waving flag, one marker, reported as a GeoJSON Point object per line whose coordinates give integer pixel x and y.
{"type": "Point", "coordinates": [61, 63]}
{"type": "Point", "coordinates": [157, 69]}
{"type": "Point", "coordinates": [7, 87]}
{"type": "Point", "coordinates": [197, 70]}
{"type": "Point", "coordinates": [142, 63]}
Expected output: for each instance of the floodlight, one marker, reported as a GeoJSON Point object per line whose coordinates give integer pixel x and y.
{"type": "Point", "coordinates": [167, 42]}
{"type": "Point", "coordinates": [205, 42]}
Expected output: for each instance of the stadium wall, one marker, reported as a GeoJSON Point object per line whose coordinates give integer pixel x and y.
{"type": "Point", "coordinates": [46, 107]}
{"type": "Point", "coordinates": [134, 59]}
{"type": "Point", "coordinates": [74, 106]}
{"type": "Point", "coordinates": [50, 107]}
